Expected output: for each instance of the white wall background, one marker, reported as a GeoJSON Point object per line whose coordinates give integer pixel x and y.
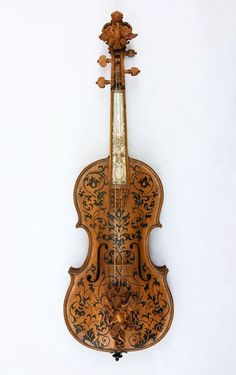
{"type": "Point", "coordinates": [54, 121]}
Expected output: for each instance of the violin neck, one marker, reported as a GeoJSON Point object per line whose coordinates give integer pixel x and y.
{"type": "Point", "coordinates": [118, 142]}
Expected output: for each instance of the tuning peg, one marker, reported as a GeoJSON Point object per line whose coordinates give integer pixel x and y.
{"type": "Point", "coordinates": [130, 53]}
{"type": "Point", "coordinates": [102, 82]}
{"type": "Point", "coordinates": [103, 61]}
{"type": "Point", "coordinates": [133, 71]}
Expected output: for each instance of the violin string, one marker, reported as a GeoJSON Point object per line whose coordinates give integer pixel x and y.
{"type": "Point", "coordinates": [121, 122]}
{"type": "Point", "coordinates": [121, 125]}
{"type": "Point", "coordinates": [125, 151]}
{"type": "Point", "coordinates": [118, 187]}
{"type": "Point", "coordinates": [114, 169]}
{"type": "Point", "coordinates": [109, 262]}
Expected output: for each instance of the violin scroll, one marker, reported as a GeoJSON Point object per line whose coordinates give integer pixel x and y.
{"type": "Point", "coordinates": [117, 33]}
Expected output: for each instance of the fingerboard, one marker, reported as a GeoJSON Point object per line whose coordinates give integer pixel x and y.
{"type": "Point", "coordinates": [118, 139]}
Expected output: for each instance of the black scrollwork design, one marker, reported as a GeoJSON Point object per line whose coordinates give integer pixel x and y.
{"type": "Point", "coordinates": [143, 196]}
{"type": "Point", "coordinates": [141, 270]}
{"type": "Point", "coordinates": [119, 230]}
{"type": "Point", "coordinates": [92, 193]}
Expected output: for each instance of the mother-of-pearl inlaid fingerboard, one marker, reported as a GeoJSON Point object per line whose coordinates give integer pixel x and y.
{"type": "Point", "coordinates": [118, 140]}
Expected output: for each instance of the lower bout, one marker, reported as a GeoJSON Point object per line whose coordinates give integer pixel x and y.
{"type": "Point", "coordinates": [100, 324]}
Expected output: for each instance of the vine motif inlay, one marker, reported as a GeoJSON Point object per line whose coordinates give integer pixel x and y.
{"type": "Point", "coordinates": [118, 299]}
{"type": "Point", "coordinates": [128, 299]}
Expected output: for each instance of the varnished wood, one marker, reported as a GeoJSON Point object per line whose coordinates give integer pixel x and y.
{"type": "Point", "coordinates": [103, 61]}
{"type": "Point", "coordinates": [102, 82]}
{"type": "Point", "coordinates": [117, 33]}
{"type": "Point", "coordinates": [118, 300]}
{"type": "Point", "coordinates": [133, 71]}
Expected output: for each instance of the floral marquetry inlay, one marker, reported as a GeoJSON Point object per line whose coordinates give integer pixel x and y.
{"type": "Point", "coordinates": [118, 300]}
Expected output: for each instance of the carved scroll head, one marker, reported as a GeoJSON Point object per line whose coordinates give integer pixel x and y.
{"type": "Point", "coordinates": [117, 33]}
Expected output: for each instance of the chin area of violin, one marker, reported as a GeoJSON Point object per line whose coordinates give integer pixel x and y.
{"type": "Point", "coordinates": [118, 300]}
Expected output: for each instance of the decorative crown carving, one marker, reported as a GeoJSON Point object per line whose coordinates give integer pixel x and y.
{"type": "Point", "coordinates": [117, 33]}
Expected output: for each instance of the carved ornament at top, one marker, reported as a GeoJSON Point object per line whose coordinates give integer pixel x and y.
{"type": "Point", "coordinates": [117, 33]}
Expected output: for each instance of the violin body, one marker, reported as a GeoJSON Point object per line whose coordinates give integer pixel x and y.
{"type": "Point", "coordinates": [131, 308]}
{"type": "Point", "coordinates": [118, 300]}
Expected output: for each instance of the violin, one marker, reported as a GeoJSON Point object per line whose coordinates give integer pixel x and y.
{"type": "Point", "coordinates": [118, 301]}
